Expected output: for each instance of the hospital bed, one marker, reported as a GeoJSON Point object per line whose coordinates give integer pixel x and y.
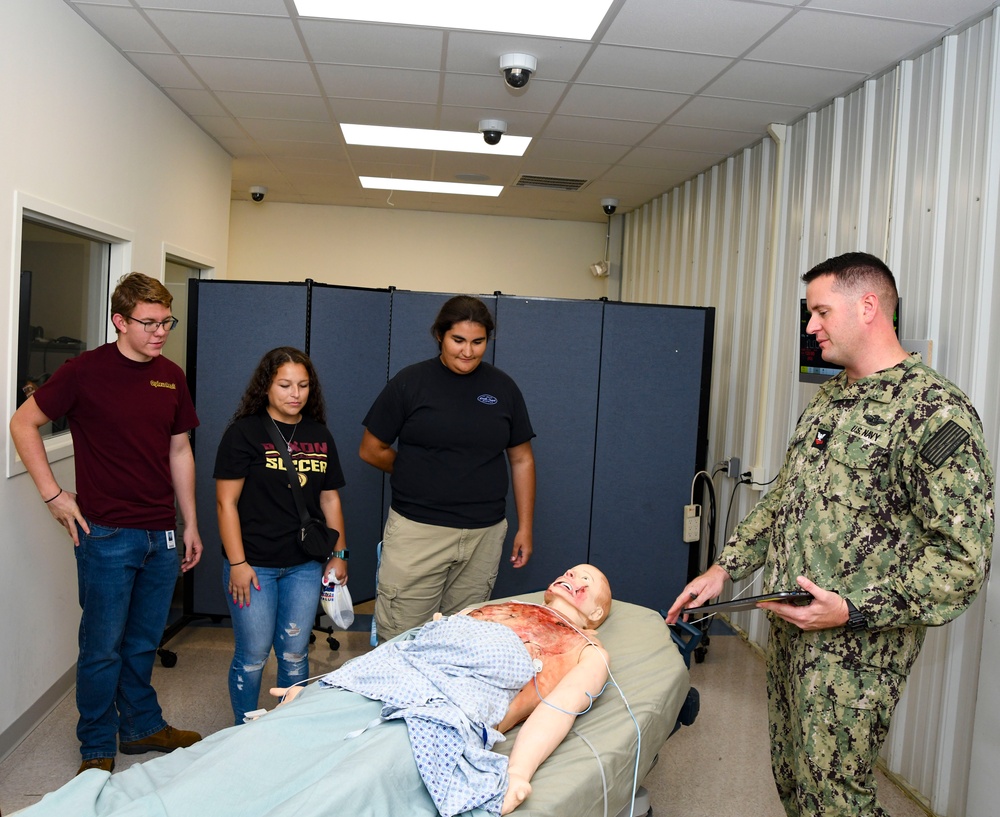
{"type": "Point", "coordinates": [651, 672]}
{"type": "Point", "coordinates": [292, 763]}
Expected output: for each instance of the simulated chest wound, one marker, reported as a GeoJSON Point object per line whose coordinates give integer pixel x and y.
{"type": "Point", "coordinates": [534, 624]}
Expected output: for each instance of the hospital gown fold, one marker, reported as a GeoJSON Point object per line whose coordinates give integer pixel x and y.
{"type": "Point", "coordinates": [450, 685]}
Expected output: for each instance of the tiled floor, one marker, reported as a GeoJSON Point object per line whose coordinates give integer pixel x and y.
{"type": "Point", "coordinates": [716, 768]}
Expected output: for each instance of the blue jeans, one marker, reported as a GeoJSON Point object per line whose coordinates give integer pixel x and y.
{"type": "Point", "coordinates": [279, 615]}
{"type": "Point", "coordinates": [126, 580]}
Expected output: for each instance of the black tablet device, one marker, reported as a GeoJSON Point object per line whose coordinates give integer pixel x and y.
{"type": "Point", "coordinates": [750, 602]}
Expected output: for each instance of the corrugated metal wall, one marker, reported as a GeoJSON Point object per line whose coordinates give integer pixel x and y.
{"type": "Point", "coordinates": [906, 167]}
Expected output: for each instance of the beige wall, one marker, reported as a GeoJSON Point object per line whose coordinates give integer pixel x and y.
{"type": "Point", "coordinates": [87, 135]}
{"type": "Point", "coordinates": [434, 252]}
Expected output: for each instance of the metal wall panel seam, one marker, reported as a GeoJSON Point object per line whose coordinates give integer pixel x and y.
{"type": "Point", "coordinates": [951, 745]}
{"type": "Point", "coordinates": [901, 153]}
{"type": "Point", "coordinates": [942, 184]}
{"type": "Point", "coordinates": [867, 148]}
{"type": "Point", "coordinates": [981, 784]}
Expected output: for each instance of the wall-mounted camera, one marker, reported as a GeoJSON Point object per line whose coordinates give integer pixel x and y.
{"type": "Point", "coordinates": [609, 206]}
{"type": "Point", "coordinates": [257, 192]}
{"type": "Point", "coordinates": [492, 130]}
{"type": "Point", "coordinates": [517, 69]}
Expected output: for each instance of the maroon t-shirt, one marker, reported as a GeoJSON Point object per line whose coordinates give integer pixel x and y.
{"type": "Point", "coordinates": [122, 414]}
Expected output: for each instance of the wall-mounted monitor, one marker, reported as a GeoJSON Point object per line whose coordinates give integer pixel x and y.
{"type": "Point", "coordinates": [812, 367]}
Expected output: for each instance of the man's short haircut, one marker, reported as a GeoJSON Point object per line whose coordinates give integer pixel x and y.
{"type": "Point", "coordinates": [857, 273]}
{"type": "Point", "coordinates": [136, 288]}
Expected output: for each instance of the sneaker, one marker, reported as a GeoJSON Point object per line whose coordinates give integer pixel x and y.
{"type": "Point", "coordinates": [105, 764]}
{"type": "Point", "coordinates": [166, 740]}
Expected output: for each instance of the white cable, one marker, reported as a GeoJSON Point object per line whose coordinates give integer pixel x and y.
{"type": "Point", "coordinates": [597, 756]}
{"type": "Point", "coordinates": [694, 479]}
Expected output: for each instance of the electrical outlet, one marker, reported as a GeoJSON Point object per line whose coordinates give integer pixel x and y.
{"type": "Point", "coordinates": [733, 468]}
{"type": "Point", "coordinates": [692, 523]}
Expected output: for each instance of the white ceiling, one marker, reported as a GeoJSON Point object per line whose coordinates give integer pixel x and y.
{"type": "Point", "coordinates": [664, 90]}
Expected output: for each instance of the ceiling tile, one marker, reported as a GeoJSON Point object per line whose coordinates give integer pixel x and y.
{"type": "Point", "coordinates": [125, 27]}
{"type": "Point", "coordinates": [385, 84]}
{"type": "Point", "coordinates": [948, 14]}
{"type": "Point", "coordinates": [621, 103]}
{"type": "Point", "coordinates": [651, 69]}
{"type": "Point", "coordinates": [723, 27]}
{"type": "Point", "coordinates": [737, 114]}
{"type": "Point", "coordinates": [580, 151]}
{"type": "Point", "coordinates": [714, 140]}
{"type": "Point", "coordinates": [281, 148]}
{"type": "Point", "coordinates": [368, 44]}
{"type": "Point", "coordinates": [590, 129]}
{"type": "Point", "coordinates": [473, 53]}
{"type": "Point", "coordinates": [845, 41]}
{"type": "Point", "coordinates": [229, 35]}
{"type": "Point", "coordinates": [291, 130]}
{"type": "Point", "coordinates": [476, 90]}
{"type": "Point", "coordinates": [787, 84]}
{"type": "Point", "coordinates": [256, 76]}
{"type": "Point", "coordinates": [273, 7]}
{"type": "Point", "coordinates": [166, 70]}
{"type": "Point", "coordinates": [376, 112]}
{"type": "Point", "coordinates": [275, 106]}
{"type": "Point", "coordinates": [688, 160]}
{"type": "Point", "coordinates": [196, 103]}
{"type": "Point", "coordinates": [664, 91]}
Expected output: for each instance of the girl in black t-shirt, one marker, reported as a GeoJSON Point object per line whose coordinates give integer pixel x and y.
{"type": "Point", "coordinates": [272, 586]}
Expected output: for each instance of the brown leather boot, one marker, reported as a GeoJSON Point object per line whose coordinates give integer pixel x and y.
{"type": "Point", "coordinates": [166, 740]}
{"type": "Point", "coordinates": [105, 764]}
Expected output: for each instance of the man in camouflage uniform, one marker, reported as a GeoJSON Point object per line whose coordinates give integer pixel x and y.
{"type": "Point", "coordinates": [883, 510]}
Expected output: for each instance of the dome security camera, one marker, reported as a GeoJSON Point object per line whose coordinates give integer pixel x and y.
{"type": "Point", "coordinates": [257, 192]}
{"type": "Point", "coordinates": [609, 206]}
{"type": "Point", "coordinates": [517, 69]}
{"type": "Point", "coordinates": [492, 130]}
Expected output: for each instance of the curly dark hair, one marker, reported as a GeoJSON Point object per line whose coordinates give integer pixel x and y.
{"type": "Point", "coordinates": [254, 400]}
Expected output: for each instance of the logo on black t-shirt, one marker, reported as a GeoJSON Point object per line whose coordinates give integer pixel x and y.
{"type": "Point", "coordinates": [487, 399]}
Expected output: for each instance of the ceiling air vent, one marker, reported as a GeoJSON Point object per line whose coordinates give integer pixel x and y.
{"type": "Point", "coordinates": [550, 182]}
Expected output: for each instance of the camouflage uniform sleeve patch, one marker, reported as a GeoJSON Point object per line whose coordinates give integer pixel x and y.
{"type": "Point", "coordinates": [943, 444]}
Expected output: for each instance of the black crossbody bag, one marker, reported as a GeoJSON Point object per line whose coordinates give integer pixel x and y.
{"type": "Point", "coordinates": [315, 539]}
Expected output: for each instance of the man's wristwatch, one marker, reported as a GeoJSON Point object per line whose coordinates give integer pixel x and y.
{"type": "Point", "coordinates": [344, 554]}
{"type": "Point", "coordinates": [855, 618]}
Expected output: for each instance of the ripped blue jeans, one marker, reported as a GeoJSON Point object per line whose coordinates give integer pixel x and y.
{"type": "Point", "coordinates": [280, 615]}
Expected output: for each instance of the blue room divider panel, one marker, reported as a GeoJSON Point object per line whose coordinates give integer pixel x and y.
{"type": "Point", "coordinates": [651, 440]}
{"type": "Point", "coordinates": [552, 349]}
{"type": "Point", "coordinates": [349, 345]}
{"type": "Point", "coordinates": [234, 324]}
{"type": "Point", "coordinates": [618, 396]}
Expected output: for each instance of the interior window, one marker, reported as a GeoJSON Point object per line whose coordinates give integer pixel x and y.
{"type": "Point", "coordinates": [63, 303]}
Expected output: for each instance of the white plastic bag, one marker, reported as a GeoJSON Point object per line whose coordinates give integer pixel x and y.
{"type": "Point", "coordinates": [337, 604]}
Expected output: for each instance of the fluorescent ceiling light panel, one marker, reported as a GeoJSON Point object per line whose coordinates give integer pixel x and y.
{"type": "Point", "coordinates": [576, 20]}
{"type": "Point", "coordinates": [421, 139]}
{"type": "Point", "coordinates": [423, 186]}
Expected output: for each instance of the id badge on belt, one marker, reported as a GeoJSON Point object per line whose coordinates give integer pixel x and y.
{"type": "Point", "coordinates": [171, 540]}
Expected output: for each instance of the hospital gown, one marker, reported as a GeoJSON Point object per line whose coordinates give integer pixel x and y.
{"type": "Point", "coordinates": [336, 751]}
